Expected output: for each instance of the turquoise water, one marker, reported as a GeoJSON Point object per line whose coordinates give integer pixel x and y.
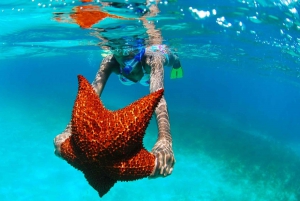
{"type": "Point", "coordinates": [234, 115]}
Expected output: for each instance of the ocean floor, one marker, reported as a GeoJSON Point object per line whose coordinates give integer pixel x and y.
{"type": "Point", "coordinates": [215, 160]}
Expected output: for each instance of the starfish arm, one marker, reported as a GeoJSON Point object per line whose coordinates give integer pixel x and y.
{"type": "Point", "coordinates": [101, 183]}
{"type": "Point", "coordinates": [88, 117]}
{"type": "Point", "coordinates": [138, 113]}
{"type": "Point", "coordinates": [69, 154]}
{"type": "Point", "coordinates": [163, 148]}
{"type": "Point", "coordinates": [107, 66]}
{"type": "Point", "coordinates": [139, 165]}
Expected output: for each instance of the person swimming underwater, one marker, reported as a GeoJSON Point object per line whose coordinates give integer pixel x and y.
{"type": "Point", "coordinates": [145, 66]}
{"type": "Point", "coordinates": [136, 63]}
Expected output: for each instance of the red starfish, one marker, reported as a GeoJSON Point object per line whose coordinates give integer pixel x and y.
{"type": "Point", "coordinates": [107, 146]}
{"type": "Point", "coordinates": [88, 15]}
{"type": "Point", "coordinates": [85, 16]}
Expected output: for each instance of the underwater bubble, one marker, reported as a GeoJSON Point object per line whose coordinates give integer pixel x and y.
{"type": "Point", "coordinates": [288, 23]}
{"type": "Point", "coordinates": [286, 2]}
{"type": "Point", "coordinates": [199, 14]}
{"type": "Point", "coordinates": [214, 11]}
{"type": "Point", "coordinates": [293, 10]}
{"type": "Point", "coordinates": [289, 37]}
{"type": "Point", "coordinates": [203, 14]}
{"type": "Point", "coordinates": [254, 19]}
{"type": "Point", "coordinates": [222, 22]}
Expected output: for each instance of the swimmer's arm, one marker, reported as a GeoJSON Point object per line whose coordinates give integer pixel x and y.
{"type": "Point", "coordinates": [108, 65]}
{"type": "Point", "coordinates": [163, 147]}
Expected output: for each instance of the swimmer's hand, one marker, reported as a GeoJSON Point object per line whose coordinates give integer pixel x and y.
{"type": "Point", "coordinates": [164, 159]}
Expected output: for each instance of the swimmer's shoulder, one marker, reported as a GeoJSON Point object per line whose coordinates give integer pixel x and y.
{"type": "Point", "coordinates": [112, 64]}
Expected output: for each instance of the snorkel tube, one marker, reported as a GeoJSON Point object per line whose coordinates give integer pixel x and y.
{"type": "Point", "coordinates": [129, 65]}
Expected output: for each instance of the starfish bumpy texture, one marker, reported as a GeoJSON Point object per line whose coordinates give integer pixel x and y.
{"type": "Point", "coordinates": [107, 146]}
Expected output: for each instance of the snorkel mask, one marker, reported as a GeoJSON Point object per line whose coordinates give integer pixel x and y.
{"type": "Point", "coordinates": [129, 65]}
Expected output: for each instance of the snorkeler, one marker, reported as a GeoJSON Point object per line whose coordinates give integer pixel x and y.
{"type": "Point", "coordinates": [145, 65]}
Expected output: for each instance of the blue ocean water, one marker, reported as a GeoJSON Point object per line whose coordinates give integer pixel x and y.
{"type": "Point", "coordinates": [234, 115]}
